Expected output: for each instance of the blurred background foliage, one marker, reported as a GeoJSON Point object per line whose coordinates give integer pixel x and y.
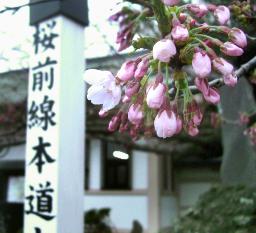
{"type": "Point", "coordinates": [230, 209]}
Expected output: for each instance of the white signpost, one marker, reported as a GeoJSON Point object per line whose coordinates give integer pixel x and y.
{"type": "Point", "coordinates": [54, 187]}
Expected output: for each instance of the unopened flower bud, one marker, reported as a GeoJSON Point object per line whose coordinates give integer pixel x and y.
{"type": "Point", "coordinates": [230, 79]}
{"type": "Point", "coordinates": [171, 2]}
{"type": "Point", "coordinates": [222, 13]}
{"type": "Point", "coordinates": [222, 66]}
{"type": "Point", "coordinates": [141, 69]}
{"type": "Point", "coordinates": [155, 95]}
{"type": "Point", "coordinates": [180, 33]}
{"type": "Point", "coordinates": [163, 50]}
{"type": "Point", "coordinates": [199, 10]}
{"type": "Point", "coordinates": [238, 37]}
{"type": "Point", "coordinates": [201, 64]}
{"type": "Point", "coordinates": [231, 49]}
{"type": "Point", "coordinates": [165, 124]}
{"type": "Point", "coordinates": [126, 71]}
{"type": "Point", "coordinates": [135, 114]}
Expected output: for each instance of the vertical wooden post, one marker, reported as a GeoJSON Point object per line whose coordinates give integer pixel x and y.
{"type": "Point", "coordinates": [55, 122]}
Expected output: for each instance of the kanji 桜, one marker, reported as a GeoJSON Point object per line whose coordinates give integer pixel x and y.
{"type": "Point", "coordinates": [40, 202]}
{"type": "Point", "coordinates": [41, 157]}
{"type": "Point", "coordinates": [44, 37]}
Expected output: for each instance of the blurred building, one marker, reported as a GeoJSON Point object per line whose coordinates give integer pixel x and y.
{"type": "Point", "coordinates": [153, 186]}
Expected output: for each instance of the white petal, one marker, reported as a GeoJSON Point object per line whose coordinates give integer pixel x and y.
{"type": "Point", "coordinates": [96, 94]}
{"type": "Point", "coordinates": [97, 77]}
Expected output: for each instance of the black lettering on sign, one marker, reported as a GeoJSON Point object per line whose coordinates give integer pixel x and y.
{"type": "Point", "coordinates": [40, 202]}
{"type": "Point", "coordinates": [41, 156]}
{"type": "Point", "coordinates": [41, 115]}
{"type": "Point", "coordinates": [43, 73]}
{"type": "Point", "coordinates": [44, 37]}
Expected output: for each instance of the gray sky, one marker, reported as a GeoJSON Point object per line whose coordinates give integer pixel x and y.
{"type": "Point", "coordinates": [16, 35]}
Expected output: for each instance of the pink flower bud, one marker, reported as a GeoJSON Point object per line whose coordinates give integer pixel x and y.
{"type": "Point", "coordinates": [126, 71]}
{"type": "Point", "coordinates": [182, 17]}
{"type": "Point", "coordinates": [179, 125]}
{"type": "Point", "coordinates": [155, 95]}
{"type": "Point", "coordinates": [238, 37]}
{"type": "Point", "coordinates": [171, 2]}
{"type": "Point", "coordinates": [222, 14]}
{"type": "Point", "coordinates": [142, 69]}
{"type": "Point", "coordinates": [165, 124]}
{"type": "Point", "coordinates": [180, 33]}
{"type": "Point", "coordinates": [222, 66]}
{"type": "Point", "coordinates": [132, 88]}
{"type": "Point", "coordinates": [202, 85]}
{"type": "Point", "coordinates": [231, 49]}
{"type": "Point", "coordinates": [230, 79]}
{"type": "Point", "coordinates": [102, 113]}
{"type": "Point", "coordinates": [192, 130]}
{"type": "Point", "coordinates": [163, 50]}
{"type": "Point", "coordinates": [213, 96]}
{"type": "Point", "coordinates": [135, 114]}
{"type": "Point", "coordinates": [114, 123]}
{"type": "Point", "coordinates": [210, 94]}
{"type": "Point", "coordinates": [199, 10]}
{"type": "Point", "coordinates": [201, 64]}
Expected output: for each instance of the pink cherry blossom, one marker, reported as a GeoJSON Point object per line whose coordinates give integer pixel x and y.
{"type": "Point", "coordinates": [135, 114]}
{"type": "Point", "coordinates": [199, 10]}
{"type": "Point", "coordinates": [192, 130]}
{"type": "Point", "coordinates": [210, 94]}
{"type": "Point", "coordinates": [165, 124]}
{"type": "Point", "coordinates": [170, 2]}
{"type": "Point", "coordinates": [132, 88]}
{"type": "Point", "coordinates": [114, 122]}
{"type": "Point", "coordinates": [238, 37]}
{"type": "Point", "coordinates": [163, 50]}
{"type": "Point", "coordinates": [222, 13]}
{"type": "Point", "coordinates": [126, 71]}
{"type": "Point", "coordinates": [180, 33]}
{"type": "Point", "coordinates": [213, 96]}
{"type": "Point", "coordinates": [231, 49]}
{"type": "Point", "coordinates": [221, 65]}
{"type": "Point", "coordinates": [155, 95]}
{"type": "Point", "coordinates": [230, 79]}
{"type": "Point", "coordinates": [141, 69]}
{"type": "Point", "coordinates": [201, 64]}
{"type": "Point", "coordinates": [104, 90]}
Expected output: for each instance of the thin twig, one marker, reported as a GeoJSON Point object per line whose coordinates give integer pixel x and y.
{"type": "Point", "coordinates": [17, 8]}
{"type": "Point", "coordinates": [218, 82]}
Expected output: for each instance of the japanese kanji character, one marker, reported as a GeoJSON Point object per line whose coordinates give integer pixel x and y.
{"type": "Point", "coordinates": [41, 157]}
{"type": "Point", "coordinates": [44, 37]}
{"type": "Point", "coordinates": [41, 201]}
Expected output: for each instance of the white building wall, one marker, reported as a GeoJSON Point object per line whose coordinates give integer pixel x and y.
{"type": "Point", "coordinates": [124, 208]}
{"type": "Point", "coordinates": [139, 170]}
{"type": "Point", "coordinates": [14, 153]}
{"type": "Point", "coordinates": [95, 165]}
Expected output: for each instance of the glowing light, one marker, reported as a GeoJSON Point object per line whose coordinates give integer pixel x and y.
{"type": "Point", "coordinates": [120, 155]}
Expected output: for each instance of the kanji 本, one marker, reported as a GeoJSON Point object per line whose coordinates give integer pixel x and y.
{"type": "Point", "coordinates": [41, 115]}
{"type": "Point", "coordinates": [43, 73]}
{"type": "Point", "coordinates": [41, 156]}
{"type": "Point", "coordinates": [44, 37]}
{"type": "Point", "coordinates": [40, 202]}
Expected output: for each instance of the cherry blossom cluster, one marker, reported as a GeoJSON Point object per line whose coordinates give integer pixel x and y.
{"type": "Point", "coordinates": [153, 91]}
